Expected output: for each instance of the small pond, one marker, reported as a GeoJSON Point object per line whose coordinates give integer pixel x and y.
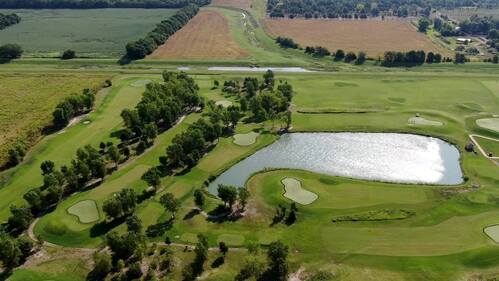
{"type": "Point", "coordinates": [258, 69]}
{"type": "Point", "coordinates": [389, 157]}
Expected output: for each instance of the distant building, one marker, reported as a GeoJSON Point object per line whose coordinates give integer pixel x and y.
{"type": "Point", "coordinates": [461, 40]}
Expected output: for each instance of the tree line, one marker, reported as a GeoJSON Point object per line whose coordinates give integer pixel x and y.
{"type": "Point", "coordinates": [160, 108]}
{"type": "Point", "coordinates": [73, 106]}
{"type": "Point", "coordinates": [98, 4]}
{"type": "Point", "coordinates": [364, 8]}
{"type": "Point", "coordinates": [411, 58]}
{"type": "Point", "coordinates": [8, 20]}
{"type": "Point", "coordinates": [145, 46]}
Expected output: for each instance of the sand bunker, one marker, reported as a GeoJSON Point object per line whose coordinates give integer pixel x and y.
{"type": "Point", "coordinates": [423, 121]}
{"type": "Point", "coordinates": [224, 103]}
{"type": "Point", "coordinates": [295, 192]}
{"type": "Point", "coordinates": [489, 124]}
{"type": "Point", "coordinates": [246, 139]}
{"type": "Point", "coordinates": [493, 232]}
{"type": "Point", "coordinates": [86, 211]}
{"type": "Point", "coordinates": [140, 83]}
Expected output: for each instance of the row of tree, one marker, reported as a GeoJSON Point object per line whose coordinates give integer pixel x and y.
{"type": "Point", "coordinates": [8, 20]}
{"type": "Point", "coordinates": [97, 4]}
{"type": "Point", "coordinates": [364, 8]}
{"type": "Point", "coordinates": [410, 58]}
{"type": "Point", "coordinates": [73, 106]}
{"type": "Point", "coordinates": [161, 106]}
{"type": "Point", "coordinates": [145, 46]}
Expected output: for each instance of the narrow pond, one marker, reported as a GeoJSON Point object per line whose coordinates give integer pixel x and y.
{"type": "Point", "coordinates": [389, 157]}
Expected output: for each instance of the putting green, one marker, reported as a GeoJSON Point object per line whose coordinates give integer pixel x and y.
{"type": "Point", "coordinates": [224, 103]}
{"type": "Point", "coordinates": [489, 123]}
{"type": "Point", "coordinates": [231, 239]}
{"type": "Point", "coordinates": [423, 121]}
{"type": "Point", "coordinates": [140, 83]}
{"type": "Point", "coordinates": [85, 210]}
{"type": "Point", "coordinates": [295, 192]}
{"type": "Point", "coordinates": [246, 139]}
{"type": "Point", "coordinates": [492, 232]}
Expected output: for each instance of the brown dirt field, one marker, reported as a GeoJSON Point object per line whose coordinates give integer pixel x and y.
{"type": "Point", "coordinates": [241, 4]}
{"type": "Point", "coordinates": [371, 36]}
{"type": "Point", "coordinates": [207, 35]}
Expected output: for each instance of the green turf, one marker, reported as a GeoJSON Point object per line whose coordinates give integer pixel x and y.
{"type": "Point", "coordinates": [86, 211]}
{"type": "Point", "coordinates": [94, 32]}
{"type": "Point", "coordinates": [492, 232]}
{"type": "Point", "coordinates": [231, 239]}
{"type": "Point", "coordinates": [245, 139]}
{"type": "Point", "coordinates": [489, 146]}
{"type": "Point", "coordinates": [295, 192]}
{"type": "Point", "coordinates": [489, 123]}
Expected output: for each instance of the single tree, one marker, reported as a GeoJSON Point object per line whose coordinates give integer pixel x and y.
{"type": "Point", "coordinates": [170, 203]}
{"type": "Point", "coordinates": [277, 260]}
{"type": "Point", "coordinates": [223, 248]}
{"type": "Point", "coordinates": [68, 54]}
{"type": "Point", "coordinates": [228, 194]}
{"type": "Point", "coordinates": [243, 195]}
{"type": "Point", "coordinates": [199, 198]}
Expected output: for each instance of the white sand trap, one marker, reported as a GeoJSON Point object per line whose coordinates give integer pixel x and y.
{"type": "Point", "coordinates": [489, 123]}
{"type": "Point", "coordinates": [183, 68]}
{"type": "Point", "coordinates": [246, 139]}
{"type": "Point", "coordinates": [423, 121]}
{"type": "Point", "coordinates": [140, 83]}
{"type": "Point", "coordinates": [85, 210]}
{"type": "Point", "coordinates": [295, 192]}
{"type": "Point", "coordinates": [493, 232]}
{"type": "Point", "coordinates": [224, 103]}
{"type": "Point", "coordinates": [86, 122]}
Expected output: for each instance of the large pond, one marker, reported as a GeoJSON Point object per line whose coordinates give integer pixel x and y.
{"type": "Point", "coordinates": [390, 157]}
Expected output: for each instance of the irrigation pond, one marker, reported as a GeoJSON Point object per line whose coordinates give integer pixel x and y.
{"type": "Point", "coordinates": [389, 157]}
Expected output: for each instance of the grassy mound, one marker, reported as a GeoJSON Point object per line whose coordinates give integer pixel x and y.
{"type": "Point", "coordinates": [224, 103]}
{"type": "Point", "coordinates": [245, 139]}
{"type": "Point", "coordinates": [86, 211]}
{"type": "Point", "coordinates": [423, 121]}
{"type": "Point", "coordinates": [489, 123]}
{"type": "Point", "coordinates": [295, 192]}
{"type": "Point", "coordinates": [55, 227]}
{"type": "Point", "coordinates": [492, 232]}
{"type": "Point", "coordinates": [231, 239]}
{"type": "Point", "coordinates": [376, 215]}
{"type": "Point", "coordinates": [140, 83]}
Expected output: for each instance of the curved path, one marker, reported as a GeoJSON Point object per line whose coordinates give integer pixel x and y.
{"type": "Point", "coordinates": [493, 158]}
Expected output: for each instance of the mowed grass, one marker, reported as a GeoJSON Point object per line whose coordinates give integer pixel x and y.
{"type": "Point", "coordinates": [94, 32]}
{"type": "Point", "coordinates": [61, 147]}
{"type": "Point", "coordinates": [371, 36]}
{"type": "Point", "coordinates": [489, 146]}
{"type": "Point", "coordinates": [206, 36]}
{"type": "Point", "coordinates": [86, 211]}
{"type": "Point", "coordinates": [28, 100]}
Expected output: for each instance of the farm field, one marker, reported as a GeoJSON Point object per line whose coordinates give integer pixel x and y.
{"type": "Point", "coordinates": [94, 33]}
{"type": "Point", "coordinates": [207, 35]}
{"type": "Point", "coordinates": [27, 102]}
{"type": "Point", "coordinates": [371, 36]}
{"type": "Point", "coordinates": [241, 4]}
{"type": "Point", "coordinates": [464, 13]}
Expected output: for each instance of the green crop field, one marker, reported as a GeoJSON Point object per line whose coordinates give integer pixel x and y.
{"type": "Point", "coordinates": [96, 33]}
